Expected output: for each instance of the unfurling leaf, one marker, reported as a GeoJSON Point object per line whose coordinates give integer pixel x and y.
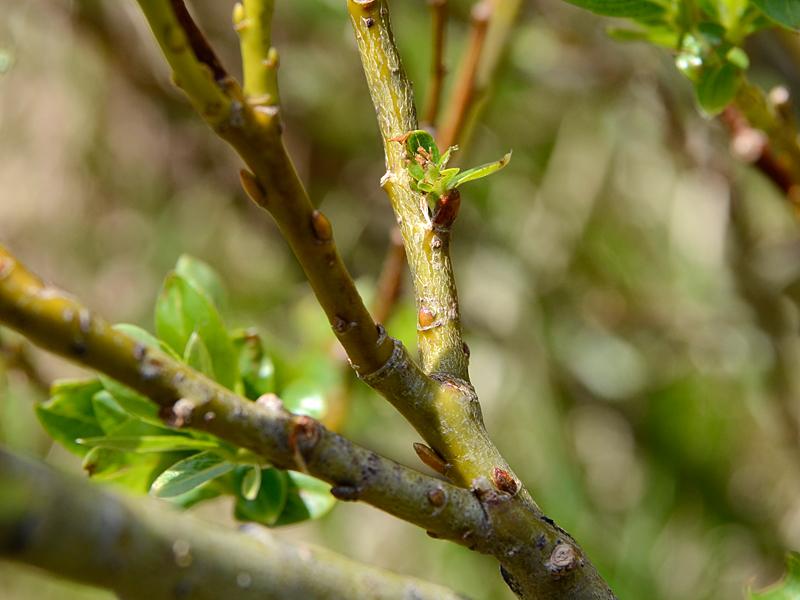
{"type": "Point", "coordinates": [479, 172]}
{"type": "Point", "coordinates": [182, 310]}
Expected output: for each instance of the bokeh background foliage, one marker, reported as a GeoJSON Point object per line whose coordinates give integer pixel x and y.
{"type": "Point", "coordinates": [627, 289]}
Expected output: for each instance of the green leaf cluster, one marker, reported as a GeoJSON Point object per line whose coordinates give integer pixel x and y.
{"type": "Point", "coordinates": [428, 167]}
{"type": "Point", "coordinates": [706, 36]}
{"type": "Point", "coordinates": [122, 440]}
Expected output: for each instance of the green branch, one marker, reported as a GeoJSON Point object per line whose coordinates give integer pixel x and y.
{"type": "Point", "coordinates": [253, 22]}
{"type": "Point", "coordinates": [539, 560]}
{"type": "Point", "coordinates": [439, 326]}
{"type": "Point", "coordinates": [254, 131]}
{"type": "Point", "coordinates": [59, 323]}
{"type": "Point", "coordinates": [138, 549]}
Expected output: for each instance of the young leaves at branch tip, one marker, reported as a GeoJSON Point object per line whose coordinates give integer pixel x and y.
{"type": "Point", "coordinates": [123, 440]}
{"type": "Point", "coordinates": [430, 175]}
{"type": "Point", "coordinates": [706, 36]}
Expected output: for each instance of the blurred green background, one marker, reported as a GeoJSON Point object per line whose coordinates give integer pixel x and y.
{"type": "Point", "coordinates": [628, 290]}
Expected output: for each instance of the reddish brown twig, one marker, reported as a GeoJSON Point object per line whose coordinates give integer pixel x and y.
{"type": "Point", "coordinates": [465, 88]}
{"type": "Point", "coordinates": [438, 70]}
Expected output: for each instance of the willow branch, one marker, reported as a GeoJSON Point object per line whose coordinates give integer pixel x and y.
{"type": "Point", "coordinates": [539, 559]}
{"type": "Point", "coordinates": [439, 327]}
{"type": "Point", "coordinates": [59, 323]}
{"type": "Point", "coordinates": [253, 129]}
{"type": "Point", "coordinates": [139, 549]}
{"type": "Point", "coordinates": [438, 70]}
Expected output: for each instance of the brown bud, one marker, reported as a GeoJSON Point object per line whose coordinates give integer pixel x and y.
{"type": "Point", "coordinates": [431, 458]}
{"type": "Point", "coordinates": [504, 481]}
{"type": "Point", "coordinates": [426, 318]}
{"type": "Point", "coordinates": [437, 497]}
{"type": "Point", "coordinates": [252, 187]}
{"type": "Point", "coordinates": [346, 492]}
{"type": "Point", "coordinates": [446, 210]}
{"type": "Point", "coordinates": [321, 227]}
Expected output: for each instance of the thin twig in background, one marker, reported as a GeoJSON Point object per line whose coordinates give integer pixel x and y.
{"type": "Point", "coordinates": [438, 69]}
{"type": "Point", "coordinates": [464, 88]}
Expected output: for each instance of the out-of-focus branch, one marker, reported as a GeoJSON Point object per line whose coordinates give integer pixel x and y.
{"type": "Point", "coordinates": [438, 70]}
{"type": "Point", "coordinates": [253, 128]}
{"type": "Point", "coordinates": [15, 356]}
{"type": "Point", "coordinates": [139, 549]}
{"type": "Point", "coordinates": [465, 86]}
{"type": "Point", "coordinates": [390, 282]}
{"type": "Point", "coordinates": [478, 69]}
{"type": "Point", "coordinates": [764, 133]}
{"type": "Point", "coordinates": [60, 324]}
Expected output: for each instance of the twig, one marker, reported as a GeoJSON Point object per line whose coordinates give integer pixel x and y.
{"type": "Point", "coordinates": [388, 293]}
{"type": "Point", "coordinates": [438, 70]}
{"type": "Point", "coordinates": [143, 550]}
{"type": "Point", "coordinates": [455, 427]}
{"type": "Point", "coordinates": [60, 324]}
{"type": "Point", "coordinates": [254, 130]}
{"type": "Point", "coordinates": [764, 133]}
{"type": "Point", "coordinates": [440, 341]}
{"type": "Point", "coordinates": [253, 22]}
{"type": "Point", "coordinates": [390, 282]}
{"type": "Point", "coordinates": [465, 89]}
{"type": "Point", "coordinates": [16, 357]}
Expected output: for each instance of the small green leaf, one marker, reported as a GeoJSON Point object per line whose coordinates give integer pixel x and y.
{"type": "Point", "coordinates": [149, 443]}
{"type": "Point", "coordinates": [269, 503]}
{"type": "Point", "coordinates": [196, 356]}
{"type": "Point", "coordinates": [479, 172]}
{"type": "Point", "coordinates": [416, 171]}
{"type": "Point", "coordinates": [189, 473]}
{"type": "Point", "coordinates": [442, 163]}
{"type": "Point", "coordinates": [134, 472]}
{"type": "Point", "coordinates": [69, 413]}
{"type": "Point", "coordinates": [785, 12]}
{"type": "Point", "coordinates": [130, 401]}
{"type": "Point", "coordinates": [738, 57]}
{"type": "Point", "coordinates": [420, 138]}
{"type": "Point", "coordinates": [255, 365]}
{"type": "Point", "coordinates": [717, 86]}
{"type": "Point", "coordinates": [139, 334]}
{"type": "Point", "coordinates": [182, 310]}
{"type": "Point", "coordinates": [251, 483]}
{"type": "Point", "coordinates": [660, 36]}
{"type": "Point", "coordinates": [116, 421]}
{"type": "Point", "coordinates": [207, 491]}
{"type": "Point", "coordinates": [633, 9]}
{"type": "Point", "coordinates": [203, 278]}
{"type": "Point", "coordinates": [787, 588]}
{"type": "Point", "coordinates": [307, 498]}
